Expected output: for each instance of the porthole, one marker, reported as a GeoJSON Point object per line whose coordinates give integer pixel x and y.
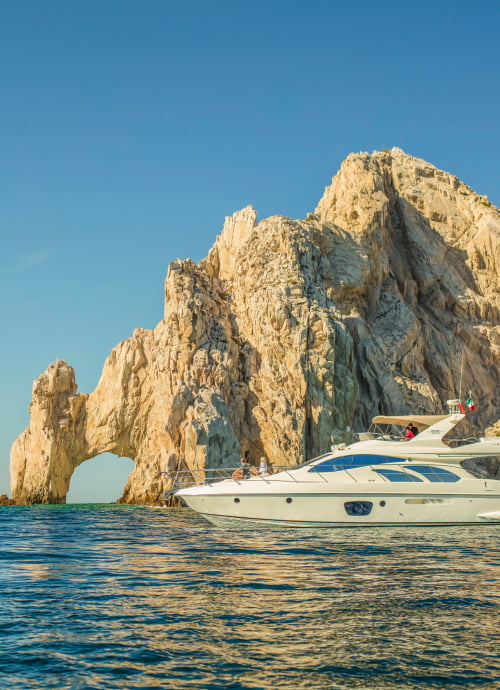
{"type": "Point", "coordinates": [288, 500]}
{"type": "Point", "coordinates": [236, 500]}
{"type": "Point", "coordinates": [382, 503]}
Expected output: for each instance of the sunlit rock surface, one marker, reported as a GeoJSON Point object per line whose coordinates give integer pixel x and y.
{"type": "Point", "coordinates": [289, 332]}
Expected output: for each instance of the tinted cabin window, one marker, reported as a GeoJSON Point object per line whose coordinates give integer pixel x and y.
{"type": "Point", "coordinates": [350, 462]}
{"type": "Point", "coordinates": [488, 467]}
{"type": "Point", "coordinates": [434, 474]}
{"type": "Point", "coordinates": [396, 476]}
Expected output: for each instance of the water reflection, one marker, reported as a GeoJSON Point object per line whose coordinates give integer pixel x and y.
{"type": "Point", "coordinates": [160, 598]}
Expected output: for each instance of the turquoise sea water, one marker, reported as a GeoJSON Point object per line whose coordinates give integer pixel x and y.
{"type": "Point", "coordinates": [124, 597]}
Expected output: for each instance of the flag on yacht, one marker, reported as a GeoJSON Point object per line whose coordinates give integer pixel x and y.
{"type": "Point", "coordinates": [470, 402]}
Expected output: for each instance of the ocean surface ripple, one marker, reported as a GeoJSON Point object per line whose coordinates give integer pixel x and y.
{"type": "Point", "coordinates": [133, 597]}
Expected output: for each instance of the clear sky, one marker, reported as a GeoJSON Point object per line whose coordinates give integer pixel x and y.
{"type": "Point", "coordinates": [129, 130]}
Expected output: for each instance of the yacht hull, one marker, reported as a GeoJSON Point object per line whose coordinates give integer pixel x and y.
{"type": "Point", "coordinates": [328, 510]}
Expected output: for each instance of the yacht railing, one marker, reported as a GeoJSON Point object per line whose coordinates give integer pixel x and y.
{"type": "Point", "coordinates": [398, 436]}
{"type": "Point", "coordinates": [377, 436]}
{"type": "Point", "coordinates": [457, 442]}
{"type": "Point", "coordinates": [182, 479]}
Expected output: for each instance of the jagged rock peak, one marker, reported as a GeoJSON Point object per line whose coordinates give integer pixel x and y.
{"type": "Point", "coordinates": [59, 377]}
{"type": "Point", "coordinates": [363, 172]}
{"type": "Point", "coordinates": [288, 333]}
{"type": "Point", "coordinates": [235, 234]}
{"type": "Point", "coordinates": [390, 196]}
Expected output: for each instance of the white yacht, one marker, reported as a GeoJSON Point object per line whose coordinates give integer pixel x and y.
{"type": "Point", "coordinates": [380, 480]}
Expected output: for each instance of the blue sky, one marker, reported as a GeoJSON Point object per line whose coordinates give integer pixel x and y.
{"type": "Point", "coordinates": [129, 130]}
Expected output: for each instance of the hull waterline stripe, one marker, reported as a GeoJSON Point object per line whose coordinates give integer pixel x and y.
{"type": "Point", "coordinates": [292, 523]}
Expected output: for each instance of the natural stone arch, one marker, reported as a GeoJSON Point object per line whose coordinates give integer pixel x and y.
{"type": "Point", "coordinates": [67, 429]}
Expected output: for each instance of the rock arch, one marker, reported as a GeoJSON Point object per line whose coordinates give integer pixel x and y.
{"type": "Point", "coordinates": [218, 376]}
{"type": "Point", "coordinates": [67, 428]}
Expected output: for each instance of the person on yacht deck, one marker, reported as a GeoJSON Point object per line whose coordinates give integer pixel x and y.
{"type": "Point", "coordinates": [409, 433]}
{"type": "Point", "coordinates": [245, 466]}
{"type": "Point", "coordinates": [263, 469]}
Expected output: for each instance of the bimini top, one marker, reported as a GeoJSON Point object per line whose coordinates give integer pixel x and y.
{"type": "Point", "coordinates": [421, 421]}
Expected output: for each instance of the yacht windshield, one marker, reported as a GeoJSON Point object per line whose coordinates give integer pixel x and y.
{"type": "Point", "coordinates": [351, 461]}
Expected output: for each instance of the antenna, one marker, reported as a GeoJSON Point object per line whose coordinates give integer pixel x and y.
{"type": "Point", "coordinates": [461, 374]}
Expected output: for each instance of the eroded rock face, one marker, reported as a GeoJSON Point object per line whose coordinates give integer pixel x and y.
{"type": "Point", "coordinates": [289, 332]}
{"type": "Point", "coordinates": [6, 501]}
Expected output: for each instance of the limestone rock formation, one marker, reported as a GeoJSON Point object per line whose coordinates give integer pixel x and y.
{"type": "Point", "coordinates": [290, 333]}
{"type": "Point", "coordinates": [6, 501]}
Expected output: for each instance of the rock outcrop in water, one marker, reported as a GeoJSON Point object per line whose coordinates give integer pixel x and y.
{"type": "Point", "coordinates": [289, 333]}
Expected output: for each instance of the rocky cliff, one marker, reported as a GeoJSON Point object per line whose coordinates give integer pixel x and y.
{"type": "Point", "coordinates": [289, 332]}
